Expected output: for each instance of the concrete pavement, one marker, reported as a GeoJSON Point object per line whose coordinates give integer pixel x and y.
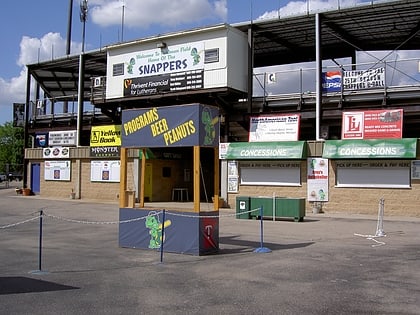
{"type": "Point", "coordinates": [324, 265]}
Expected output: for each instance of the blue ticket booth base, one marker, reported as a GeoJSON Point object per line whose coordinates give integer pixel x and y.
{"type": "Point", "coordinates": [184, 232]}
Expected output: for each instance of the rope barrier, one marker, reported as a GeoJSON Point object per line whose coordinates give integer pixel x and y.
{"type": "Point", "coordinates": [18, 223]}
{"type": "Point", "coordinates": [56, 217]}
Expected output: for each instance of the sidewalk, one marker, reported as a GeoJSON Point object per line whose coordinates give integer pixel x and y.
{"type": "Point", "coordinates": [327, 264]}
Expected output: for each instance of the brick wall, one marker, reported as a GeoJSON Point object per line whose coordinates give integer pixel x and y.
{"type": "Point", "coordinates": [398, 202]}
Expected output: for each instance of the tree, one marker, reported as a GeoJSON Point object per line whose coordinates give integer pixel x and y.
{"type": "Point", "coordinates": [11, 148]}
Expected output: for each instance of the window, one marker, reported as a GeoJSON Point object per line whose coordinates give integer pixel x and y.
{"type": "Point", "coordinates": [118, 69]}
{"type": "Point", "coordinates": [373, 174]}
{"type": "Point", "coordinates": [211, 55]}
{"type": "Point", "coordinates": [270, 173]}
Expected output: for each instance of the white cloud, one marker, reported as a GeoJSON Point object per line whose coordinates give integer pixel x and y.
{"type": "Point", "coordinates": [150, 12]}
{"type": "Point", "coordinates": [32, 50]}
{"type": "Point", "coordinates": [300, 7]}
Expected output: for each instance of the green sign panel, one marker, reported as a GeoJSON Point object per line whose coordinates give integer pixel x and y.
{"type": "Point", "coordinates": [262, 150]}
{"type": "Point", "coordinates": [370, 149]}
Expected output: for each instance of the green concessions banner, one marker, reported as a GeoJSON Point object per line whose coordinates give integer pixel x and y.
{"type": "Point", "coordinates": [364, 149]}
{"type": "Point", "coordinates": [262, 150]}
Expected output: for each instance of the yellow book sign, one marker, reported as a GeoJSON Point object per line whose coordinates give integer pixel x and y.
{"type": "Point", "coordinates": [105, 136]}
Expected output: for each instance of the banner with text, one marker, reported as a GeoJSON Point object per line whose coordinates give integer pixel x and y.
{"type": "Point", "coordinates": [274, 128]}
{"type": "Point", "coordinates": [317, 178]}
{"type": "Point", "coordinates": [104, 136]}
{"type": "Point", "coordinates": [262, 150]}
{"type": "Point", "coordinates": [364, 79]}
{"type": "Point", "coordinates": [372, 124]}
{"type": "Point", "coordinates": [172, 126]}
{"type": "Point", "coordinates": [365, 149]}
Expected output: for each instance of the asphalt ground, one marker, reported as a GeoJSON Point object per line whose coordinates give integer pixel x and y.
{"type": "Point", "coordinates": [327, 264]}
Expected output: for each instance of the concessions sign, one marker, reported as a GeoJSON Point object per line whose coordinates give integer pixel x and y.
{"type": "Point", "coordinates": [172, 126]}
{"type": "Point", "coordinates": [372, 124]}
{"type": "Point", "coordinates": [274, 128]}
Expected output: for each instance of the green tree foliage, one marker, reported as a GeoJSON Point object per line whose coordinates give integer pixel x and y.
{"type": "Point", "coordinates": [11, 148]}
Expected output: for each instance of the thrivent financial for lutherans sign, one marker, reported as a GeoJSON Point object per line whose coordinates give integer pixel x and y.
{"type": "Point", "coordinates": [172, 126]}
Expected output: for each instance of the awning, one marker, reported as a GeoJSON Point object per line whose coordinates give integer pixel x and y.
{"type": "Point", "coordinates": [285, 150]}
{"type": "Point", "coordinates": [370, 149]}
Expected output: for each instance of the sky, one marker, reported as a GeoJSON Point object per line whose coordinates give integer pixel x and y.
{"type": "Point", "coordinates": [35, 31]}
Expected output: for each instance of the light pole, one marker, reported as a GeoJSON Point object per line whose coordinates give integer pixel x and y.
{"type": "Point", "coordinates": [83, 18]}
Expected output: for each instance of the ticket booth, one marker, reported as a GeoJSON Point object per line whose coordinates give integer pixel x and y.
{"type": "Point", "coordinates": [190, 230]}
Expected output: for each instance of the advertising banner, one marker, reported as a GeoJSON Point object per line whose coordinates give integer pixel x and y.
{"type": "Point", "coordinates": [331, 81]}
{"type": "Point", "coordinates": [180, 81]}
{"type": "Point", "coordinates": [57, 170]}
{"type": "Point", "coordinates": [18, 115]}
{"type": "Point", "coordinates": [364, 79]}
{"type": "Point", "coordinates": [104, 136]}
{"type": "Point", "coordinates": [317, 179]}
{"type": "Point", "coordinates": [171, 59]}
{"type": "Point", "coordinates": [41, 140]}
{"type": "Point", "coordinates": [102, 152]}
{"type": "Point", "coordinates": [105, 171]}
{"type": "Point", "coordinates": [274, 128]}
{"type": "Point", "coordinates": [56, 153]}
{"type": "Point", "coordinates": [372, 124]}
{"type": "Point", "coordinates": [62, 138]}
{"type": "Point", "coordinates": [171, 126]}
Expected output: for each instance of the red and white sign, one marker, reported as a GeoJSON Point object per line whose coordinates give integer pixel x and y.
{"type": "Point", "coordinates": [372, 124]}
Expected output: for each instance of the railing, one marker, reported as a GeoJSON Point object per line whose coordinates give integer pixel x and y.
{"type": "Point", "coordinates": [287, 80]}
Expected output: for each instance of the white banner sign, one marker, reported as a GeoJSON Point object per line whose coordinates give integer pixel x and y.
{"type": "Point", "coordinates": [364, 79]}
{"type": "Point", "coordinates": [165, 60]}
{"type": "Point", "coordinates": [274, 128]}
{"type": "Point", "coordinates": [105, 171]}
{"type": "Point", "coordinates": [62, 138]}
{"type": "Point", "coordinates": [317, 179]}
{"type": "Point", "coordinates": [57, 170]}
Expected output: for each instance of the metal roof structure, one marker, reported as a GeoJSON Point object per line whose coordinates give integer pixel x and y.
{"type": "Point", "coordinates": [392, 25]}
{"type": "Point", "coordinates": [376, 26]}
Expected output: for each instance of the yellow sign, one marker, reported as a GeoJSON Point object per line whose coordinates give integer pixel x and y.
{"type": "Point", "coordinates": [105, 136]}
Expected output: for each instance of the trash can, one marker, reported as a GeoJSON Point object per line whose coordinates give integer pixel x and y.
{"type": "Point", "coordinates": [242, 207]}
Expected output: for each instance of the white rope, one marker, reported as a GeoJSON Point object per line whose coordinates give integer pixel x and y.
{"type": "Point", "coordinates": [18, 223]}
{"type": "Point", "coordinates": [56, 217]}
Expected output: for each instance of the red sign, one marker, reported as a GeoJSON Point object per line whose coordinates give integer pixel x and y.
{"type": "Point", "coordinates": [372, 124]}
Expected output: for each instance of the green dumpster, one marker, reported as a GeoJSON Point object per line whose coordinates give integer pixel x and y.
{"type": "Point", "coordinates": [283, 207]}
{"type": "Point", "coordinates": [291, 207]}
{"type": "Point", "coordinates": [265, 202]}
{"type": "Point", "coordinates": [242, 207]}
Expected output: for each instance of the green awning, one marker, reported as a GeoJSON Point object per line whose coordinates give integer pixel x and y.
{"type": "Point", "coordinates": [370, 149]}
{"type": "Point", "coordinates": [285, 150]}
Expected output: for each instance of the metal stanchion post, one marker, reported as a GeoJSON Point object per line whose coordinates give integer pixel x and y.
{"type": "Point", "coordinates": [162, 236]}
{"type": "Point", "coordinates": [262, 249]}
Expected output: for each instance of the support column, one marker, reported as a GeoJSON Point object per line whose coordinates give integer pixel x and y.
{"type": "Point", "coordinates": [196, 179]}
{"type": "Point", "coordinates": [318, 75]}
{"type": "Point", "coordinates": [142, 177]}
{"type": "Point", "coordinates": [123, 178]}
{"type": "Point", "coordinates": [216, 178]}
{"type": "Point", "coordinates": [80, 98]}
